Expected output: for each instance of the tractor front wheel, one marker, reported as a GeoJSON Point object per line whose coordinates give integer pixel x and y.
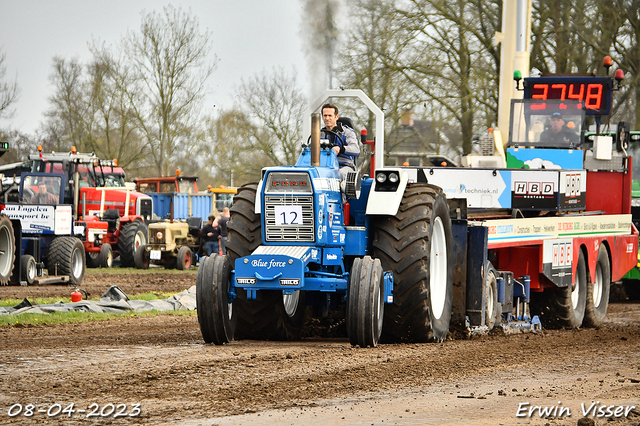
{"type": "Point", "coordinates": [216, 315]}
{"type": "Point", "coordinates": [141, 259]}
{"type": "Point", "coordinates": [92, 259]}
{"type": "Point", "coordinates": [365, 302]}
{"type": "Point", "coordinates": [105, 258]}
{"type": "Point", "coordinates": [29, 271]}
{"type": "Point", "coordinates": [185, 258]}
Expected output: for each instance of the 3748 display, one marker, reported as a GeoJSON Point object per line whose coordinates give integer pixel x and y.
{"type": "Point", "coordinates": [595, 92]}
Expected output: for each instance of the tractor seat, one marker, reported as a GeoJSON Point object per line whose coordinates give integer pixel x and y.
{"type": "Point", "coordinates": [195, 224]}
{"type": "Point", "coordinates": [347, 121]}
{"type": "Point", "coordinates": [111, 216]}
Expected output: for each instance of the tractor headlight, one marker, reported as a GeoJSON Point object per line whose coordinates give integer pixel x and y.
{"type": "Point", "coordinates": [159, 235]}
{"type": "Point", "coordinates": [387, 180]}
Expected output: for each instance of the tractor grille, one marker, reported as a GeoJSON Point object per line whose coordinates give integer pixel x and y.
{"type": "Point", "coordinates": [302, 233]}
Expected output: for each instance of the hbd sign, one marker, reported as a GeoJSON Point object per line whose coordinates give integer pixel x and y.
{"type": "Point", "coordinates": [572, 185]}
{"type": "Point", "coordinates": [562, 255]}
{"type": "Point", "coordinates": [534, 189]}
{"type": "Point", "coordinates": [557, 261]}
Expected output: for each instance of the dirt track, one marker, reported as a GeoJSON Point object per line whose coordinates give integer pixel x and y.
{"type": "Point", "coordinates": [161, 363]}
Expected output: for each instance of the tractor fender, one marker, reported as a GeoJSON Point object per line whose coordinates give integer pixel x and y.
{"type": "Point", "coordinates": [385, 198]}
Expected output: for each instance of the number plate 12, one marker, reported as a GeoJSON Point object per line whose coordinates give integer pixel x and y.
{"type": "Point", "coordinates": [288, 215]}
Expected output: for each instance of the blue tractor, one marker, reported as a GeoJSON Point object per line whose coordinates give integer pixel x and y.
{"type": "Point", "coordinates": [374, 249]}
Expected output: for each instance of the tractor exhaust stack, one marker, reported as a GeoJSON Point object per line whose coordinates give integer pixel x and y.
{"type": "Point", "coordinates": [315, 139]}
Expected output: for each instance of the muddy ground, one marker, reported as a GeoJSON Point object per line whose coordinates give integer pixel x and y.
{"type": "Point", "coordinates": [96, 283]}
{"type": "Point", "coordinates": [162, 364]}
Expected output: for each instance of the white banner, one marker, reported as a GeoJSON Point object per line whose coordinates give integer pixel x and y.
{"type": "Point", "coordinates": [34, 219]}
{"type": "Point", "coordinates": [42, 219]}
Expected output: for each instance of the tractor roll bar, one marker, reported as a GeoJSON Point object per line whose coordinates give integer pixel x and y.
{"type": "Point", "coordinates": [352, 93]}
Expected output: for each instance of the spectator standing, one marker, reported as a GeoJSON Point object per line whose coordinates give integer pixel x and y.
{"type": "Point", "coordinates": [223, 230]}
{"type": "Point", "coordinates": [210, 233]}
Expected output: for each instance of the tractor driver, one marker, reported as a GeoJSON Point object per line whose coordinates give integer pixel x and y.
{"type": "Point", "coordinates": [557, 133]}
{"type": "Point", "coordinates": [44, 196]}
{"type": "Point", "coordinates": [343, 139]}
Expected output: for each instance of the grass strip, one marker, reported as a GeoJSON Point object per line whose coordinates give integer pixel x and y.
{"type": "Point", "coordinates": [116, 270]}
{"type": "Point", "coordinates": [22, 320]}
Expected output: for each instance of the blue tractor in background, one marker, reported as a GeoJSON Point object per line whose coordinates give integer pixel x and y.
{"type": "Point", "coordinates": [374, 249]}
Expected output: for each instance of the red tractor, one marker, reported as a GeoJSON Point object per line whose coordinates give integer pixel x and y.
{"type": "Point", "coordinates": [114, 218]}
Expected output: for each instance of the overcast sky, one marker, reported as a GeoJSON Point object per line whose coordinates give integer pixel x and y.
{"type": "Point", "coordinates": [248, 36]}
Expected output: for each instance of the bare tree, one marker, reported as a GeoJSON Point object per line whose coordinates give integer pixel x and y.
{"type": "Point", "coordinates": [376, 42]}
{"type": "Point", "coordinates": [570, 36]}
{"type": "Point", "coordinates": [275, 104]}
{"type": "Point", "coordinates": [9, 92]}
{"type": "Point", "coordinates": [66, 123]}
{"type": "Point", "coordinates": [229, 155]}
{"type": "Point", "coordinates": [113, 124]}
{"type": "Point", "coordinates": [169, 58]}
{"type": "Point", "coordinates": [450, 60]}
{"type": "Point", "coordinates": [20, 145]}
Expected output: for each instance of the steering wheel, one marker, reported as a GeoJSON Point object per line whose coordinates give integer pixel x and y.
{"type": "Point", "coordinates": [330, 144]}
{"type": "Point", "coordinates": [27, 194]}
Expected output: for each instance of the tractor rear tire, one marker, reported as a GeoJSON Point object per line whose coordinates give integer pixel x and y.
{"type": "Point", "coordinates": [365, 301]}
{"type": "Point", "coordinates": [273, 316]}
{"type": "Point", "coordinates": [244, 226]}
{"type": "Point", "coordinates": [66, 257]}
{"type": "Point", "coordinates": [564, 307]}
{"type": "Point", "coordinates": [217, 317]}
{"type": "Point", "coordinates": [132, 235]}
{"type": "Point", "coordinates": [493, 308]}
{"type": "Point", "coordinates": [416, 245]}
{"type": "Point", "coordinates": [185, 258]}
{"type": "Point", "coordinates": [28, 268]}
{"type": "Point", "coordinates": [7, 249]}
{"type": "Point", "coordinates": [141, 259]}
{"type": "Point", "coordinates": [598, 290]}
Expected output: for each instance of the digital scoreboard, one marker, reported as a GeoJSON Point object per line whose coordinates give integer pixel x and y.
{"type": "Point", "coordinates": [595, 94]}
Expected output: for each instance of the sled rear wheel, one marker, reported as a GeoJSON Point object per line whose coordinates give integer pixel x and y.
{"type": "Point", "coordinates": [598, 290]}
